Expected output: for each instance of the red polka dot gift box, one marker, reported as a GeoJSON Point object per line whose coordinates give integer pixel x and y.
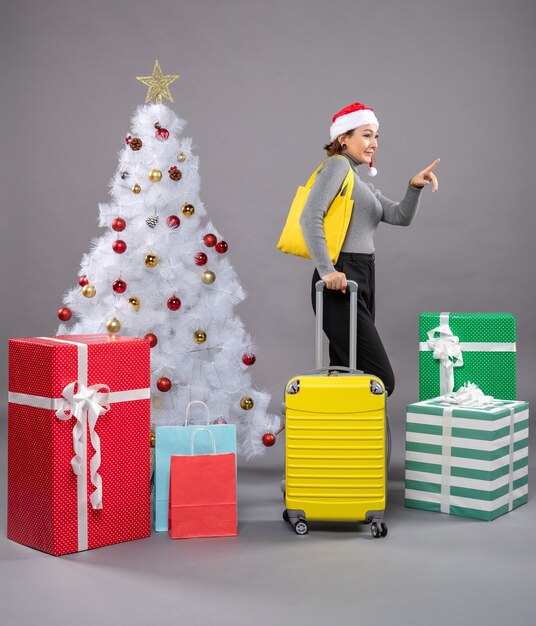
{"type": "Point", "coordinates": [78, 441]}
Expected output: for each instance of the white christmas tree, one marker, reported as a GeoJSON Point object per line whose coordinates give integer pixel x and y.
{"type": "Point", "coordinates": [159, 273]}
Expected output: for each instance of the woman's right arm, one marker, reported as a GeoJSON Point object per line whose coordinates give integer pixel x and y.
{"type": "Point", "coordinates": [326, 186]}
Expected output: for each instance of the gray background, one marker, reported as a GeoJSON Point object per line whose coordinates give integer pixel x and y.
{"type": "Point", "coordinates": [259, 83]}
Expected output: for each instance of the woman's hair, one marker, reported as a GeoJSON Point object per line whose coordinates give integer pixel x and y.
{"type": "Point", "coordinates": [335, 147]}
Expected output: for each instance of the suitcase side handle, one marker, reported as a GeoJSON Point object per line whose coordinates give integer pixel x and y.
{"type": "Point", "coordinates": [352, 288]}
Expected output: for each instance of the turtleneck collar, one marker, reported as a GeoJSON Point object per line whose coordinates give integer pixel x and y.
{"type": "Point", "coordinates": [354, 163]}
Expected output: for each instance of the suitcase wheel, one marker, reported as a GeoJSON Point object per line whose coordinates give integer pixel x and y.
{"type": "Point", "coordinates": [378, 530]}
{"type": "Point", "coordinates": [301, 527]}
{"type": "Point", "coordinates": [285, 516]}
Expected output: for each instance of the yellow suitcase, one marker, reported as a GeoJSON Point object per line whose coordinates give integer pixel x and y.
{"type": "Point", "coordinates": [337, 440]}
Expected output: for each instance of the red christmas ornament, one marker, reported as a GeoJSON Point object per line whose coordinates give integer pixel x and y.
{"type": "Point", "coordinates": [162, 134]}
{"type": "Point", "coordinates": [248, 359]}
{"type": "Point", "coordinates": [119, 286]}
{"type": "Point", "coordinates": [65, 314]}
{"type": "Point", "coordinates": [152, 339]}
{"type": "Point", "coordinates": [128, 139]}
{"type": "Point", "coordinates": [83, 280]}
{"type": "Point", "coordinates": [268, 440]}
{"type": "Point", "coordinates": [119, 246]}
{"type": "Point", "coordinates": [210, 240]}
{"type": "Point", "coordinates": [222, 247]}
{"type": "Point", "coordinates": [163, 384]}
{"type": "Point", "coordinates": [173, 221]}
{"type": "Point", "coordinates": [174, 303]}
{"type": "Point", "coordinates": [201, 258]}
{"type": "Point", "coordinates": [219, 420]}
{"type": "Point", "coordinates": [118, 224]}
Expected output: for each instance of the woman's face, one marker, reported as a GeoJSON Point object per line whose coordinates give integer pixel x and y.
{"type": "Point", "coordinates": [362, 144]}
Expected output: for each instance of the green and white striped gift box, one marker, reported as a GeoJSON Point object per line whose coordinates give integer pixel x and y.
{"type": "Point", "coordinates": [467, 461]}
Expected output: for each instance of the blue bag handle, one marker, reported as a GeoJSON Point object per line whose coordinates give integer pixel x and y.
{"type": "Point", "coordinates": [192, 440]}
{"type": "Point", "coordinates": [188, 411]}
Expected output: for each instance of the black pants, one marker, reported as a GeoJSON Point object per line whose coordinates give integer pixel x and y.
{"type": "Point", "coordinates": [371, 355]}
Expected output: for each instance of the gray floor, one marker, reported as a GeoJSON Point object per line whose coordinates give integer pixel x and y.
{"type": "Point", "coordinates": [432, 569]}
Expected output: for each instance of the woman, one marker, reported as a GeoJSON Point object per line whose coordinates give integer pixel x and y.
{"type": "Point", "coordinates": [354, 135]}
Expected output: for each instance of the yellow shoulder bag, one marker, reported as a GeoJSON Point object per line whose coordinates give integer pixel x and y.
{"type": "Point", "coordinates": [335, 222]}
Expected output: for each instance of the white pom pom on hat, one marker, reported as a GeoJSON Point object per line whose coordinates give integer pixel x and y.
{"type": "Point", "coordinates": [353, 116]}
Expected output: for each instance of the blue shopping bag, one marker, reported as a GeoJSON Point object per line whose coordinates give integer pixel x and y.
{"type": "Point", "coordinates": [175, 440]}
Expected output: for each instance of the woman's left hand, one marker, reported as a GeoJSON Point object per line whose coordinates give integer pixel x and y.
{"type": "Point", "coordinates": [425, 177]}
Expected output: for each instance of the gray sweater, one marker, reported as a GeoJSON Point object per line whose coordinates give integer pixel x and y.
{"type": "Point", "coordinates": [370, 208]}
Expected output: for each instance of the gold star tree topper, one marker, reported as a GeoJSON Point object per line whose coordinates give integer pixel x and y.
{"type": "Point", "coordinates": [158, 84]}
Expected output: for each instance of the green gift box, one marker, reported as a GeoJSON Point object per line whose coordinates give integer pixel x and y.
{"type": "Point", "coordinates": [455, 348]}
{"type": "Point", "coordinates": [467, 461]}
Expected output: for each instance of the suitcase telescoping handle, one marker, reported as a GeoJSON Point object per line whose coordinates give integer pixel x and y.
{"type": "Point", "coordinates": [352, 288]}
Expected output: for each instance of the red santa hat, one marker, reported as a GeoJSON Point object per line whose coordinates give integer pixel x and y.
{"type": "Point", "coordinates": [353, 116]}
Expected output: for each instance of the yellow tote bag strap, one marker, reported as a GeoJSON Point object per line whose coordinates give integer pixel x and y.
{"type": "Point", "coordinates": [313, 176]}
{"type": "Point", "coordinates": [348, 181]}
{"type": "Point", "coordinates": [338, 217]}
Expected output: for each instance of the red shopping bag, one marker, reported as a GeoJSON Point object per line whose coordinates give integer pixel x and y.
{"type": "Point", "coordinates": [202, 493]}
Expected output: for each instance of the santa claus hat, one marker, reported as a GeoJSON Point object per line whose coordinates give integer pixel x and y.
{"type": "Point", "coordinates": [353, 116]}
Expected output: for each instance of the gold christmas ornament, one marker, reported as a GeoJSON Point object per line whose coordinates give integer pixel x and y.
{"type": "Point", "coordinates": [153, 440]}
{"type": "Point", "coordinates": [246, 403]}
{"type": "Point", "coordinates": [134, 302]}
{"type": "Point", "coordinates": [155, 175]}
{"type": "Point", "coordinates": [200, 336]}
{"type": "Point", "coordinates": [158, 84]}
{"type": "Point", "coordinates": [88, 291]}
{"type": "Point", "coordinates": [188, 209]}
{"type": "Point", "coordinates": [136, 188]}
{"type": "Point", "coordinates": [113, 325]}
{"type": "Point", "coordinates": [208, 277]}
{"type": "Point", "coordinates": [181, 157]}
{"type": "Point", "coordinates": [151, 260]}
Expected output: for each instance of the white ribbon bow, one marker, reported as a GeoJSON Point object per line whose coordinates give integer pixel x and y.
{"type": "Point", "coordinates": [446, 348]}
{"type": "Point", "coordinates": [86, 405]}
{"type": "Point", "coordinates": [469, 395]}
